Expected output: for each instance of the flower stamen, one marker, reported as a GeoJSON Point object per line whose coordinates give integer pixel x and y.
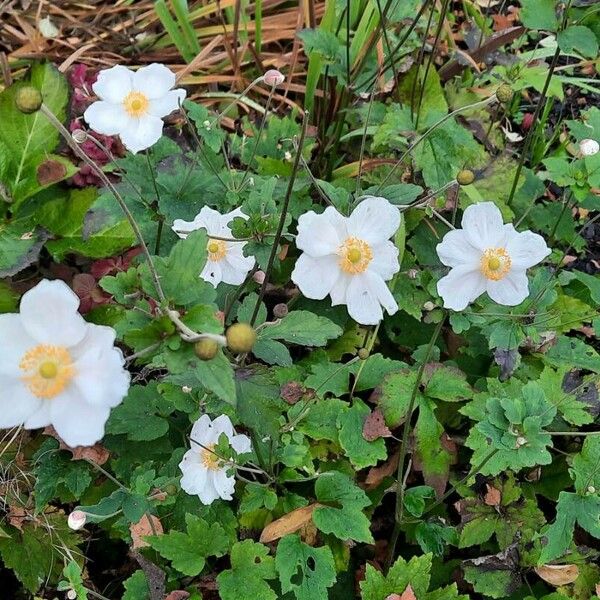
{"type": "Point", "coordinates": [217, 249]}
{"type": "Point", "coordinates": [136, 104]}
{"type": "Point", "coordinates": [209, 459]}
{"type": "Point", "coordinates": [495, 263]}
{"type": "Point", "coordinates": [355, 256]}
{"type": "Point", "coordinates": [48, 370]}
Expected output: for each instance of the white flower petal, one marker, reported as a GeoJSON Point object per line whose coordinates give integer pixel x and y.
{"type": "Point", "coordinates": [526, 249]}
{"type": "Point", "coordinates": [11, 328]}
{"type": "Point", "coordinates": [212, 273]}
{"type": "Point", "coordinates": [382, 292]}
{"type": "Point", "coordinates": [385, 260]}
{"type": "Point", "coordinates": [511, 290]}
{"type": "Point", "coordinates": [374, 220]}
{"type": "Point", "coordinates": [183, 228]}
{"type": "Point", "coordinates": [231, 275]}
{"type": "Point", "coordinates": [241, 443]}
{"type": "Point", "coordinates": [113, 84]}
{"type": "Point", "coordinates": [208, 493]}
{"type": "Point", "coordinates": [212, 220]}
{"type": "Point", "coordinates": [141, 133]}
{"type": "Point", "coordinates": [317, 236]}
{"type": "Point", "coordinates": [154, 81]}
{"type": "Point", "coordinates": [223, 483]}
{"type": "Point", "coordinates": [77, 422]}
{"type": "Point", "coordinates": [339, 290]}
{"type": "Point", "coordinates": [200, 432]}
{"type": "Point", "coordinates": [49, 314]}
{"type": "Point", "coordinates": [194, 473]}
{"type": "Point", "coordinates": [483, 225]}
{"type": "Point", "coordinates": [223, 424]}
{"type": "Point", "coordinates": [17, 403]}
{"type": "Point", "coordinates": [106, 118]}
{"type": "Point", "coordinates": [456, 249]}
{"type": "Point", "coordinates": [461, 286]}
{"type": "Point", "coordinates": [316, 276]}
{"type": "Point", "coordinates": [165, 105]}
{"type": "Point", "coordinates": [41, 417]}
{"type": "Point", "coordinates": [100, 377]}
{"type": "Point", "coordinates": [362, 301]}
{"type": "Point", "coordinates": [235, 257]}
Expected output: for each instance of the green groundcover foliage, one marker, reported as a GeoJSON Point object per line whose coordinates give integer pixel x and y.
{"type": "Point", "coordinates": [344, 353]}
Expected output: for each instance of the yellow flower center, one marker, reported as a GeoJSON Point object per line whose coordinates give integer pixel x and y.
{"type": "Point", "coordinates": [355, 256]}
{"type": "Point", "coordinates": [209, 459]}
{"type": "Point", "coordinates": [47, 370]}
{"type": "Point", "coordinates": [136, 104]}
{"type": "Point", "coordinates": [495, 263]}
{"type": "Point", "coordinates": [216, 250]}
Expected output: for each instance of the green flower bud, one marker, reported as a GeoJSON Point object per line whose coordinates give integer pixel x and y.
{"type": "Point", "coordinates": [28, 99]}
{"type": "Point", "coordinates": [465, 177]}
{"type": "Point", "coordinates": [504, 93]}
{"type": "Point", "coordinates": [240, 337]}
{"type": "Point", "coordinates": [206, 349]}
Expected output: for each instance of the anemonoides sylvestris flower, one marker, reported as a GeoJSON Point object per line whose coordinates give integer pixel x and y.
{"type": "Point", "coordinates": [487, 255]}
{"type": "Point", "coordinates": [225, 261]}
{"type": "Point", "coordinates": [132, 104]}
{"type": "Point", "coordinates": [350, 258]}
{"type": "Point", "coordinates": [205, 474]}
{"type": "Point", "coordinates": [56, 369]}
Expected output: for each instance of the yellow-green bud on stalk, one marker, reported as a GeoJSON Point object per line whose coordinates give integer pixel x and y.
{"type": "Point", "coordinates": [206, 349]}
{"type": "Point", "coordinates": [465, 177]}
{"type": "Point", "coordinates": [504, 93]}
{"type": "Point", "coordinates": [28, 99]}
{"type": "Point", "coordinates": [240, 337]}
{"type": "Point", "coordinates": [363, 354]}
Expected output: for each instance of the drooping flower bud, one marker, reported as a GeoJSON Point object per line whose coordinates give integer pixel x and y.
{"type": "Point", "coordinates": [589, 147]}
{"type": "Point", "coordinates": [465, 177]}
{"type": "Point", "coordinates": [273, 77]}
{"type": "Point", "coordinates": [206, 349]}
{"type": "Point", "coordinates": [76, 520]}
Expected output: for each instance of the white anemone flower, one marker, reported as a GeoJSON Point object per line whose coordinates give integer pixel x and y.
{"type": "Point", "coordinates": [204, 473]}
{"type": "Point", "coordinates": [487, 256]}
{"type": "Point", "coordinates": [225, 260]}
{"type": "Point", "coordinates": [56, 369]}
{"type": "Point", "coordinates": [350, 258]}
{"type": "Point", "coordinates": [132, 104]}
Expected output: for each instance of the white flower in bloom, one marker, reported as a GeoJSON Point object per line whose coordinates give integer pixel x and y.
{"type": "Point", "coordinates": [487, 256]}
{"type": "Point", "coordinates": [589, 147]}
{"type": "Point", "coordinates": [204, 473]}
{"type": "Point", "coordinates": [56, 369]}
{"type": "Point", "coordinates": [350, 258]}
{"type": "Point", "coordinates": [225, 260]}
{"type": "Point", "coordinates": [132, 104]}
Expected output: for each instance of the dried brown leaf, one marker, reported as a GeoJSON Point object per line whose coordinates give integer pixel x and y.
{"type": "Point", "coordinates": [289, 523]}
{"type": "Point", "coordinates": [558, 575]}
{"type": "Point", "coordinates": [145, 526]}
{"type": "Point", "coordinates": [374, 426]}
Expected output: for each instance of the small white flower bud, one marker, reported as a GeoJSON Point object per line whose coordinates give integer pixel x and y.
{"type": "Point", "coordinates": [591, 489]}
{"type": "Point", "coordinates": [287, 155]}
{"type": "Point", "coordinates": [273, 77]}
{"type": "Point", "coordinates": [76, 520]}
{"type": "Point", "coordinates": [428, 306]}
{"type": "Point", "coordinates": [589, 147]}
{"type": "Point", "coordinates": [72, 595]}
{"type": "Point", "coordinates": [186, 389]}
{"type": "Point", "coordinates": [259, 277]}
{"type": "Point", "coordinates": [206, 124]}
{"type": "Point", "coordinates": [79, 136]}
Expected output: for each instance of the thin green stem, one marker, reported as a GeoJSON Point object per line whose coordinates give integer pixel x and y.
{"type": "Point", "coordinates": [280, 226]}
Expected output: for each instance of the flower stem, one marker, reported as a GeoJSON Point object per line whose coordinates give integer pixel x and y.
{"type": "Point", "coordinates": [400, 476]}
{"type": "Point", "coordinates": [284, 209]}
{"type": "Point", "coordinates": [109, 184]}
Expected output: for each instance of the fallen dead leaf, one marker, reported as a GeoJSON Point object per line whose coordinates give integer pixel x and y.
{"type": "Point", "coordinates": [16, 516]}
{"type": "Point", "coordinates": [145, 526]}
{"type": "Point", "coordinates": [493, 496]}
{"type": "Point", "coordinates": [178, 595]}
{"type": "Point", "coordinates": [289, 523]}
{"type": "Point", "coordinates": [558, 575]}
{"type": "Point", "coordinates": [50, 171]}
{"type": "Point", "coordinates": [377, 474]}
{"type": "Point", "coordinates": [374, 426]}
{"type": "Point", "coordinates": [96, 453]}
